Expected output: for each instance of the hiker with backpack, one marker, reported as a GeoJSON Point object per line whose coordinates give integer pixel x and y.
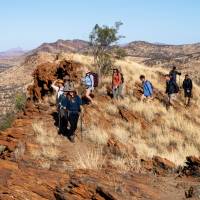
{"type": "Point", "coordinates": [116, 84]}
{"type": "Point", "coordinates": [147, 89]}
{"type": "Point", "coordinates": [171, 89]}
{"type": "Point", "coordinates": [90, 81]}
{"type": "Point", "coordinates": [187, 86]}
{"type": "Point", "coordinates": [71, 108]}
{"type": "Point", "coordinates": [173, 73]}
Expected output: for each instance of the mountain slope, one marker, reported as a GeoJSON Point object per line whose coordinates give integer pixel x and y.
{"type": "Point", "coordinates": [62, 46]}
{"type": "Point", "coordinates": [15, 52]}
{"type": "Point", "coordinates": [185, 57]}
{"type": "Point", "coordinates": [119, 144]}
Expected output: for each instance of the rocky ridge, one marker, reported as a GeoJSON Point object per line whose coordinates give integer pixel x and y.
{"type": "Point", "coordinates": [37, 163]}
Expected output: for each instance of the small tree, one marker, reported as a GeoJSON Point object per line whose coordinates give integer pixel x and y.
{"type": "Point", "coordinates": [102, 39]}
{"type": "Point", "coordinates": [120, 53]}
{"type": "Point", "coordinates": [20, 101]}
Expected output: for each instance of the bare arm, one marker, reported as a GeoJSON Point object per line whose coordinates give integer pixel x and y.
{"type": "Point", "coordinates": [56, 88]}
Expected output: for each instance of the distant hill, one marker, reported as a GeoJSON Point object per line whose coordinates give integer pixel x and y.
{"type": "Point", "coordinates": [185, 57]}
{"type": "Point", "coordinates": [15, 52]}
{"type": "Point", "coordinates": [62, 46]}
{"type": "Point", "coordinates": [146, 49]}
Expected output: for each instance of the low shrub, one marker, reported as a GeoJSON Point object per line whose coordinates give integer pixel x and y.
{"type": "Point", "coordinates": [6, 121]}
{"type": "Point", "coordinates": [20, 101]}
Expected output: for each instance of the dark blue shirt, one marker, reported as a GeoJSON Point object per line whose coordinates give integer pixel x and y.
{"type": "Point", "coordinates": [72, 105]}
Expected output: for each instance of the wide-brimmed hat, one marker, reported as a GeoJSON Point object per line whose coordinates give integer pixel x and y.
{"type": "Point", "coordinates": [60, 81]}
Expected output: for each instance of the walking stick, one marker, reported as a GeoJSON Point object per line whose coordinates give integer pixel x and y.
{"type": "Point", "coordinates": [81, 125]}
{"type": "Point", "coordinates": [59, 120]}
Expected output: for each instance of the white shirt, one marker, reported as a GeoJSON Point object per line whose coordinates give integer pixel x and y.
{"type": "Point", "coordinates": [59, 91]}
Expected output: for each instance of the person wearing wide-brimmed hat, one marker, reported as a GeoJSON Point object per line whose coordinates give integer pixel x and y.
{"type": "Point", "coordinates": [68, 82]}
{"type": "Point", "coordinates": [71, 104]}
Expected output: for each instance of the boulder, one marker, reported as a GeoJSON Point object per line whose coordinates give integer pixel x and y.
{"type": "Point", "coordinates": [163, 163]}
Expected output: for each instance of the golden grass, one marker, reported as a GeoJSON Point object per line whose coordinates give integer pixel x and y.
{"type": "Point", "coordinates": [90, 158]}
{"type": "Point", "coordinates": [121, 134]}
{"type": "Point", "coordinates": [97, 136]}
{"type": "Point", "coordinates": [174, 137]}
{"type": "Point", "coordinates": [126, 164]}
{"type": "Point", "coordinates": [47, 139]}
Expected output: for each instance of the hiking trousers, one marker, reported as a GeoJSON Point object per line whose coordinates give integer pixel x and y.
{"type": "Point", "coordinates": [73, 120]}
{"type": "Point", "coordinates": [121, 87]}
{"type": "Point", "coordinates": [116, 93]}
{"type": "Point", "coordinates": [63, 120]}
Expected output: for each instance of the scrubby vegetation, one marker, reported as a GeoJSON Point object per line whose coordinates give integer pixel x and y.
{"type": "Point", "coordinates": [6, 121]}
{"type": "Point", "coordinates": [20, 101]}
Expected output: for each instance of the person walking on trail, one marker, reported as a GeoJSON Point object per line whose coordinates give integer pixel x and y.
{"type": "Point", "coordinates": [171, 89]}
{"type": "Point", "coordinates": [116, 84]}
{"type": "Point", "coordinates": [71, 105]}
{"type": "Point", "coordinates": [174, 74]}
{"type": "Point", "coordinates": [88, 81]}
{"type": "Point", "coordinates": [58, 86]}
{"type": "Point", "coordinates": [121, 86]}
{"type": "Point", "coordinates": [62, 114]}
{"type": "Point", "coordinates": [147, 89]}
{"type": "Point", "coordinates": [68, 83]}
{"type": "Point", "coordinates": [187, 86]}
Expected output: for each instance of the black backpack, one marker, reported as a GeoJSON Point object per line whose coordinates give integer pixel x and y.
{"type": "Point", "coordinates": [176, 88]}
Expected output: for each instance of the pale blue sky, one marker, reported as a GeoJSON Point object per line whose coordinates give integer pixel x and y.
{"type": "Point", "coordinates": [28, 23]}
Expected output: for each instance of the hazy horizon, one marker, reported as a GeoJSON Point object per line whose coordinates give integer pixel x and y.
{"type": "Point", "coordinates": [28, 24]}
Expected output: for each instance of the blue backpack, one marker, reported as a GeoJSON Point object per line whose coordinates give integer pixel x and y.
{"type": "Point", "coordinates": [148, 88]}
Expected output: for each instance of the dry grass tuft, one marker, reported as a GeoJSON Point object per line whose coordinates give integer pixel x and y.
{"type": "Point", "coordinates": [49, 141]}
{"type": "Point", "coordinates": [97, 136]}
{"type": "Point", "coordinates": [127, 164]}
{"type": "Point", "coordinates": [121, 134]}
{"type": "Point", "coordinates": [89, 159]}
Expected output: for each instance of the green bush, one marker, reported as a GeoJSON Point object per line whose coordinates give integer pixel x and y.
{"type": "Point", "coordinates": [120, 53]}
{"type": "Point", "coordinates": [20, 101]}
{"type": "Point", "coordinates": [6, 121]}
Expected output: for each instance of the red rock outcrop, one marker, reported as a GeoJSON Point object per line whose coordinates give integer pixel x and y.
{"type": "Point", "coordinates": [46, 73]}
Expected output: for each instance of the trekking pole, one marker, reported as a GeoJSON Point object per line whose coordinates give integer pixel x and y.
{"type": "Point", "coordinates": [59, 120]}
{"type": "Point", "coordinates": [81, 126]}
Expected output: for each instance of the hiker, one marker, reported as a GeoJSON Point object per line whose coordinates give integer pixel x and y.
{"type": "Point", "coordinates": [71, 106]}
{"type": "Point", "coordinates": [147, 89]}
{"type": "Point", "coordinates": [171, 89]}
{"type": "Point", "coordinates": [58, 86]}
{"type": "Point", "coordinates": [121, 86]}
{"type": "Point", "coordinates": [62, 114]}
{"type": "Point", "coordinates": [187, 86]}
{"type": "Point", "coordinates": [174, 73]}
{"type": "Point", "coordinates": [88, 81]}
{"type": "Point", "coordinates": [116, 84]}
{"type": "Point", "coordinates": [68, 83]}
